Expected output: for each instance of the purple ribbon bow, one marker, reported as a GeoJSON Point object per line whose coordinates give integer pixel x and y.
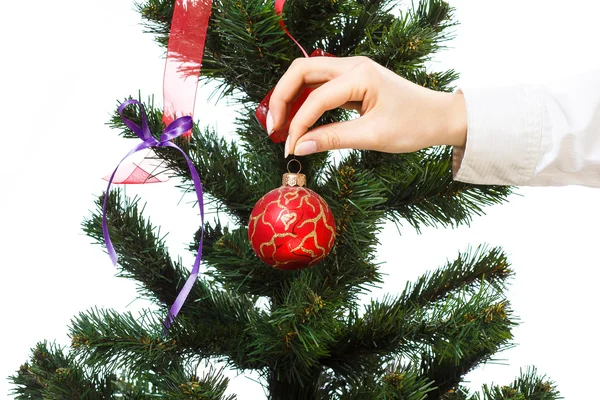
{"type": "Point", "coordinates": [175, 129]}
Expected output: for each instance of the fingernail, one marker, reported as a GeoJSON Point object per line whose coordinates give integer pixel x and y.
{"type": "Point", "coordinates": [269, 122]}
{"type": "Point", "coordinates": [286, 152]}
{"type": "Point", "coordinates": [304, 148]}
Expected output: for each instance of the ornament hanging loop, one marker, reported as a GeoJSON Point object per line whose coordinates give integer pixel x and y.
{"type": "Point", "coordinates": [293, 178]}
{"type": "Point", "coordinates": [299, 166]}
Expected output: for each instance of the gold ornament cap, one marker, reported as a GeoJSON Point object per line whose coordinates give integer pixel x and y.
{"type": "Point", "coordinates": [294, 178]}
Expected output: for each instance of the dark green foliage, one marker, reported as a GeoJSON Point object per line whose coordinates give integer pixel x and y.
{"type": "Point", "coordinates": [55, 376]}
{"type": "Point", "coordinates": [529, 385]}
{"type": "Point", "coordinates": [304, 332]}
{"type": "Point", "coordinates": [420, 189]}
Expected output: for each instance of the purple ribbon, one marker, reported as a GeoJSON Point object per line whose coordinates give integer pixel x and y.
{"type": "Point", "coordinates": [173, 130]}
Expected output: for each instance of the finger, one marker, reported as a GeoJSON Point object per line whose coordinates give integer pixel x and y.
{"type": "Point", "coordinates": [354, 134]}
{"type": "Point", "coordinates": [346, 88]}
{"type": "Point", "coordinates": [305, 72]}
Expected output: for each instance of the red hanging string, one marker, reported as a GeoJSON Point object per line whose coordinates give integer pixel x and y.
{"type": "Point", "coordinates": [279, 10]}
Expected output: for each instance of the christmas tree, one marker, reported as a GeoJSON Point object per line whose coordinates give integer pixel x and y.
{"type": "Point", "coordinates": [305, 331]}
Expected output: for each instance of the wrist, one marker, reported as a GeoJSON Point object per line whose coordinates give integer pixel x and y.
{"type": "Point", "coordinates": [456, 120]}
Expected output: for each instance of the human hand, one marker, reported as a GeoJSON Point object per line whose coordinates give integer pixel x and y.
{"type": "Point", "coordinates": [396, 115]}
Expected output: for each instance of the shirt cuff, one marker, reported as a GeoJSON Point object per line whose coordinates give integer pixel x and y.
{"type": "Point", "coordinates": [504, 131]}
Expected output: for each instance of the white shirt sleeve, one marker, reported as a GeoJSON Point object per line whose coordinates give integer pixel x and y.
{"type": "Point", "coordinates": [533, 135]}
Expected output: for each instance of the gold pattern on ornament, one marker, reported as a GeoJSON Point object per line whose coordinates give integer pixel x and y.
{"type": "Point", "coordinates": [288, 196]}
{"type": "Point", "coordinates": [287, 219]}
{"type": "Point", "coordinates": [313, 234]}
{"type": "Point", "coordinates": [267, 223]}
{"type": "Point", "coordinates": [305, 200]}
{"type": "Point", "coordinates": [261, 217]}
{"type": "Point", "coordinates": [272, 241]}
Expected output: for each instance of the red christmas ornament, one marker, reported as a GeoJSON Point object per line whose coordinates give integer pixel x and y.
{"type": "Point", "coordinates": [291, 227]}
{"type": "Point", "coordinates": [280, 135]}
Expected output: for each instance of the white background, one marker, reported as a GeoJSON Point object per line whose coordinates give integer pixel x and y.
{"type": "Point", "coordinates": [64, 64]}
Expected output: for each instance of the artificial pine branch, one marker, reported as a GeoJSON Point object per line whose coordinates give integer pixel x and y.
{"type": "Point", "coordinates": [142, 256]}
{"type": "Point", "coordinates": [427, 195]}
{"type": "Point", "coordinates": [222, 171]}
{"type": "Point", "coordinates": [395, 382]}
{"type": "Point", "coordinates": [416, 320]}
{"type": "Point", "coordinates": [231, 260]}
{"type": "Point", "coordinates": [245, 47]}
{"type": "Point", "coordinates": [440, 81]}
{"type": "Point", "coordinates": [528, 386]}
{"type": "Point", "coordinates": [354, 196]}
{"type": "Point", "coordinates": [111, 341]}
{"type": "Point", "coordinates": [360, 29]}
{"type": "Point", "coordinates": [436, 14]}
{"type": "Point", "coordinates": [468, 271]}
{"type": "Point", "coordinates": [141, 251]}
{"type": "Point", "coordinates": [318, 24]}
{"type": "Point", "coordinates": [185, 385]}
{"type": "Point", "coordinates": [460, 393]}
{"type": "Point", "coordinates": [157, 15]}
{"type": "Point", "coordinates": [475, 330]}
{"type": "Point", "coordinates": [411, 39]}
{"type": "Point", "coordinates": [299, 330]}
{"type": "Point", "coordinates": [52, 374]}
{"type": "Point", "coordinates": [405, 382]}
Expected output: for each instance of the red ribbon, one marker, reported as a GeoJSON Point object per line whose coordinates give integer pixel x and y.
{"type": "Point", "coordinates": [184, 58]}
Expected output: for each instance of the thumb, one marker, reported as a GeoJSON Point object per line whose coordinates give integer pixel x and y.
{"type": "Point", "coordinates": [353, 134]}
